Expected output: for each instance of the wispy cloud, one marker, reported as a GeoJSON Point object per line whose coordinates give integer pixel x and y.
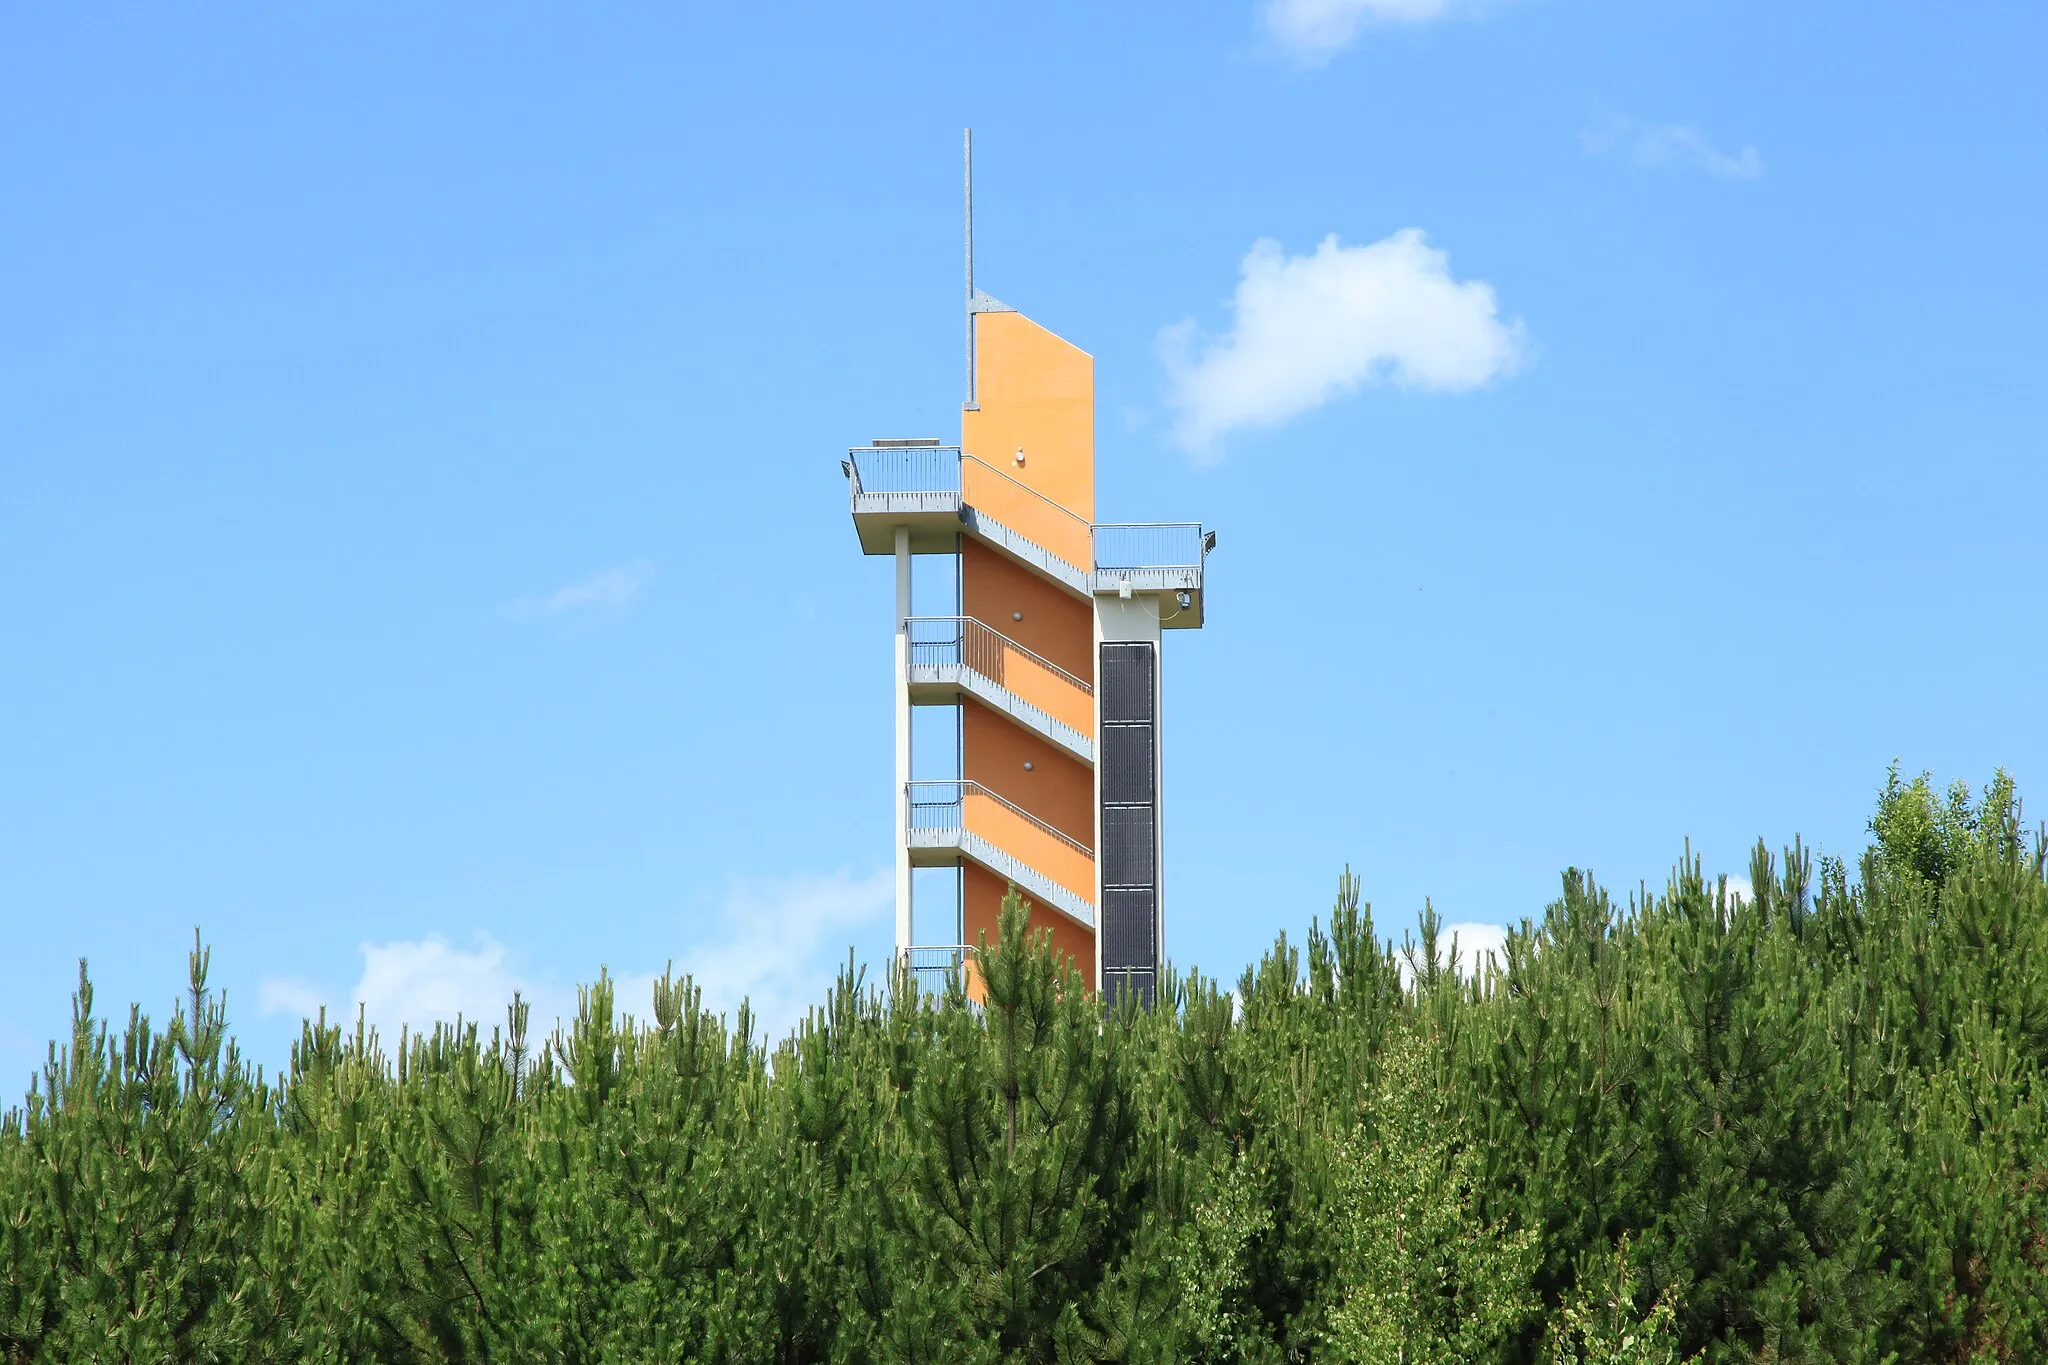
{"type": "Point", "coordinates": [1306, 329]}
{"type": "Point", "coordinates": [779, 942]}
{"type": "Point", "coordinates": [417, 983]}
{"type": "Point", "coordinates": [424, 981]}
{"type": "Point", "coordinates": [606, 593]}
{"type": "Point", "coordinates": [775, 943]}
{"type": "Point", "coordinates": [1657, 146]}
{"type": "Point", "coordinates": [1477, 944]}
{"type": "Point", "coordinates": [288, 995]}
{"type": "Point", "coordinates": [1316, 30]}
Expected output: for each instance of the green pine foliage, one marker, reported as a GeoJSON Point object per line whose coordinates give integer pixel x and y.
{"type": "Point", "coordinates": [1807, 1123]}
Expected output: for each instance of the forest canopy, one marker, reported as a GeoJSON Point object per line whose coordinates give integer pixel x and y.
{"type": "Point", "coordinates": [1805, 1122]}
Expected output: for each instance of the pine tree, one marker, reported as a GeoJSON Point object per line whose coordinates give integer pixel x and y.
{"type": "Point", "coordinates": [1809, 1123]}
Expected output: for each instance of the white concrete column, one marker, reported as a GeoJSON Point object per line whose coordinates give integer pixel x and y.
{"type": "Point", "coordinates": [902, 739]}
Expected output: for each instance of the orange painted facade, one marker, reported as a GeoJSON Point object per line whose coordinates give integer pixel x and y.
{"type": "Point", "coordinates": [981, 902]}
{"type": "Point", "coordinates": [1056, 624]}
{"type": "Point", "coordinates": [1056, 788]}
{"type": "Point", "coordinates": [1029, 465]}
{"type": "Point", "coordinates": [1037, 395]}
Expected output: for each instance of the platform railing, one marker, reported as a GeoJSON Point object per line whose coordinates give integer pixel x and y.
{"type": "Point", "coordinates": [968, 808]}
{"type": "Point", "coordinates": [1149, 545]}
{"type": "Point", "coordinates": [935, 961]}
{"type": "Point", "coordinates": [963, 641]}
{"type": "Point", "coordinates": [991, 492]}
{"type": "Point", "coordinates": [1025, 510]}
{"type": "Point", "coordinates": [941, 804]}
{"type": "Point", "coordinates": [903, 469]}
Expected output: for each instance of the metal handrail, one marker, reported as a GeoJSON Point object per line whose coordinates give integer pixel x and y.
{"type": "Point", "coordinates": [938, 958]}
{"type": "Point", "coordinates": [958, 950]}
{"type": "Point", "coordinates": [903, 469]}
{"type": "Point", "coordinates": [929, 469]}
{"type": "Point", "coordinates": [1112, 545]}
{"type": "Point", "coordinates": [939, 469]}
{"type": "Point", "coordinates": [982, 655]}
{"type": "Point", "coordinates": [961, 789]}
{"type": "Point", "coordinates": [1149, 545]}
{"type": "Point", "coordinates": [1019, 484]}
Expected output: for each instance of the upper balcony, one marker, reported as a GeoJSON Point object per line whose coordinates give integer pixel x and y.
{"type": "Point", "coordinates": [1154, 557]}
{"type": "Point", "coordinates": [939, 492]}
{"type": "Point", "coordinates": [948, 818]}
{"type": "Point", "coordinates": [954, 654]}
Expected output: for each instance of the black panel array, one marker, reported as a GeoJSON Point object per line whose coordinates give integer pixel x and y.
{"type": "Point", "coordinates": [1129, 922]}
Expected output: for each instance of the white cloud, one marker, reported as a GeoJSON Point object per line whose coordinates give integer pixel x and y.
{"type": "Point", "coordinates": [1305, 329]}
{"type": "Point", "coordinates": [416, 983]}
{"type": "Point", "coordinates": [772, 946]}
{"type": "Point", "coordinates": [283, 995]}
{"type": "Point", "coordinates": [1476, 943]}
{"type": "Point", "coordinates": [777, 943]}
{"type": "Point", "coordinates": [1739, 889]}
{"type": "Point", "coordinates": [422, 981]}
{"type": "Point", "coordinates": [1315, 29]}
{"type": "Point", "coordinates": [1659, 145]}
{"type": "Point", "coordinates": [606, 593]}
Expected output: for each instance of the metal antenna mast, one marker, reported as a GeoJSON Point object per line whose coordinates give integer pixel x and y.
{"type": "Point", "coordinates": [977, 302]}
{"type": "Point", "coordinates": [967, 169]}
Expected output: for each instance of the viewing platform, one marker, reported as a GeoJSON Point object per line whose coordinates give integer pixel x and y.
{"type": "Point", "coordinates": [940, 492]}
{"type": "Point", "coordinates": [1154, 557]}
{"type": "Point", "coordinates": [950, 655]}
{"type": "Point", "coordinates": [953, 819]}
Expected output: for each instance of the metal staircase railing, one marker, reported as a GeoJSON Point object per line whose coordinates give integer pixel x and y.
{"type": "Point", "coordinates": [945, 805]}
{"type": "Point", "coordinates": [997, 507]}
{"type": "Point", "coordinates": [981, 647]}
{"type": "Point", "coordinates": [1004, 837]}
{"type": "Point", "coordinates": [938, 643]}
{"type": "Point", "coordinates": [931, 962]}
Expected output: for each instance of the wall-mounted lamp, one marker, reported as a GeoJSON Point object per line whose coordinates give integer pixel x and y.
{"type": "Point", "coordinates": [1027, 765]}
{"type": "Point", "coordinates": [1186, 599]}
{"type": "Point", "coordinates": [1020, 457]}
{"type": "Point", "coordinates": [1016, 616]}
{"type": "Point", "coordinates": [1208, 542]}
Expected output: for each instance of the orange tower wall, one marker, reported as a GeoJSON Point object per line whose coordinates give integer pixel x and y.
{"type": "Point", "coordinates": [1057, 789]}
{"type": "Point", "coordinates": [981, 904]}
{"type": "Point", "coordinates": [1037, 394]}
{"type": "Point", "coordinates": [1057, 625]}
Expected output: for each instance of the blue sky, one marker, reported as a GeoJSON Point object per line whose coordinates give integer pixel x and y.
{"type": "Point", "coordinates": [425, 565]}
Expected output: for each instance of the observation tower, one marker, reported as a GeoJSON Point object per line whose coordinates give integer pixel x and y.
{"type": "Point", "coordinates": [1034, 692]}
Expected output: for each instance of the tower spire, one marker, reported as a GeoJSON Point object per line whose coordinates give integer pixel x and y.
{"type": "Point", "coordinates": [967, 171]}
{"type": "Point", "coordinates": [977, 302]}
